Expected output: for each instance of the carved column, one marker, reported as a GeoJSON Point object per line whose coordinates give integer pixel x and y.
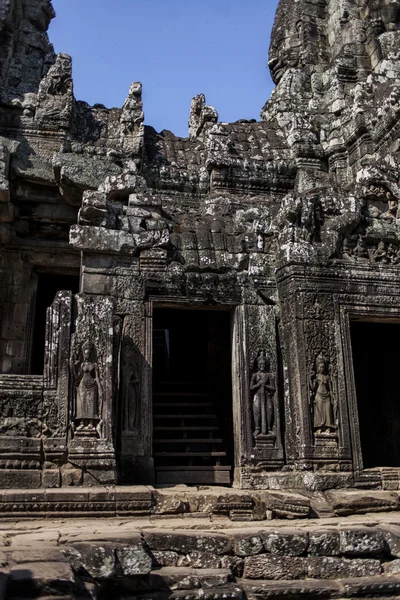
{"type": "Point", "coordinates": [314, 432]}
{"type": "Point", "coordinates": [92, 365]}
{"type": "Point", "coordinates": [263, 390]}
{"type": "Point", "coordinates": [134, 404]}
{"type": "Point", "coordinates": [256, 392]}
{"type": "Point", "coordinates": [56, 387]}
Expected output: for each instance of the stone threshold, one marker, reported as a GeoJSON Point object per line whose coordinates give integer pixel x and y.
{"type": "Point", "coordinates": [199, 502]}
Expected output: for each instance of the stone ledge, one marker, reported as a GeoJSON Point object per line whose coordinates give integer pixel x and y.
{"type": "Point", "coordinates": [182, 501]}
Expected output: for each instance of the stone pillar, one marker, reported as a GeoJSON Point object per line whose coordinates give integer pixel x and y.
{"type": "Point", "coordinates": [256, 393]}
{"type": "Point", "coordinates": [57, 387]}
{"type": "Point", "coordinates": [314, 432]}
{"type": "Point", "coordinates": [93, 363]}
{"type": "Point", "coordinates": [135, 399]}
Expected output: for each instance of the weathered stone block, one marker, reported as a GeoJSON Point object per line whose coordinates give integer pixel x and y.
{"type": "Point", "coordinates": [324, 543]}
{"type": "Point", "coordinates": [110, 241]}
{"type": "Point", "coordinates": [392, 567]}
{"type": "Point", "coordinates": [330, 567]}
{"type": "Point", "coordinates": [23, 479]}
{"type": "Point", "coordinates": [46, 578]}
{"type": "Point", "coordinates": [286, 504]}
{"type": "Point", "coordinates": [183, 542]}
{"type": "Point", "coordinates": [51, 478]}
{"type": "Point", "coordinates": [234, 563]}
{"type": "Point", "coordinates": [391, 534]}
{"type": "Point", "coordinates": [347, 502]}
{"type": "Point", "coordinates": [361, 541]}
{"type": "Point", "coordinates": [96, 477]}
{"type": "Point", "coordinates": [186, 578]}
{"type": "Point", "coordinates": [274, 567]}
{"type": "Point", "coordinates": [265, 590]}
{"type": "Point", "coordinates": [289, 543]}
{"type": "Point", "coordinates": [41, 554]}
{"type": "Point", "coordinates": [165, 558]}
{"type": "Point", "coordinates": [134, 560]}
{"type": "Point", "coordinates": [370, 586]}
{"type": "Point", "coordinates": [167, 503]}
{"type": "Point", "coordinates": [95, 558]}
{"type": "Point", "coordinates": [203, 560]}
{"type": "Point", "coordinates": [247, 544]}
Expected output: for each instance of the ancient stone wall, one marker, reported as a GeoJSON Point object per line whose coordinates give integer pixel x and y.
{"type": "Point", "coordinates": [290, 223]}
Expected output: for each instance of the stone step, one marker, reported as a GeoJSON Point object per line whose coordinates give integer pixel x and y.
{"type": "Point", "coordinates": [185, 416]}
{"type": "Point", "coordinates": [271, 590]}
{"type": "Point", "coordinates": [196, 468]}
{"type": "Point", "coordinates": [188, 441]}
{"type": "Point", "coordinates": [178, 578]}
{"type": "Point", "coordinates": [182, 404]}
{"type": "Point", "coordinates": [183, 394]}
{"type": "Point", "coordinates": [35, 579]}
{"type": "Point", "coordinates": [188, 454]}
{"type": "Point", "coordinates": [185, 428]}
{"type": "Point", "coordinates": [142, 500]}
{"type": "Point", "coordinates": [232, 592]}
{"type": "Point", "coordinates": [343, 588]}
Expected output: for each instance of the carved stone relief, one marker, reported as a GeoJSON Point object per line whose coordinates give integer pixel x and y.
{"type": "Point", "coordinates": [88, 402]}
{"type": "Point", "coordinates": [324, 407]}
{"type": "Point", "coordinates": [130, 383]}
{"type": "Point", "coordinates": [262, 385]}
{"type": "Point", "coordinates": [92, 363]}
{"type": "Point", "coordinates": [264, 407]}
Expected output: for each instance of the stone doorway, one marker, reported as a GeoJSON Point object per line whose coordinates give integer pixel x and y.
{"type": "Point", "coordinates": [192, 396]}
{"type": "Point", "coordinates": [376, 360]}
{"type": "Point", "coordinates": [48, 284]}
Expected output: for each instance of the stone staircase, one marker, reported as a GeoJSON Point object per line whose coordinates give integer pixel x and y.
{"type": "Point", "coordinates": [187, 440]}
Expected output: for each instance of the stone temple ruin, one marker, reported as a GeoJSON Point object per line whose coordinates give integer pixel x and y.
{"type": "Point", "coordinates": [220, 311]}
{"type": "Point", "coordinates": [217, 309]}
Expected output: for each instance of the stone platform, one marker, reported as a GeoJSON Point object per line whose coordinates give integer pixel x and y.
{"type": "Point", "coordinates": [188, 558]}
{"type": "Point", "coordinates": [185, 502]}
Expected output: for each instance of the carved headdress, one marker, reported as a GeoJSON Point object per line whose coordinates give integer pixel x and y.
{"type": "Point", "coordinates": [86, 347]}
{"type": "Point", "coordinates": [321, 361]}
{"type": "Point", "coordinates": [262, 360]}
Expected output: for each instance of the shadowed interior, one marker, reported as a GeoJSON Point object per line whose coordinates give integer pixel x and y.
{"type": "Point", "coordinates": [192, 396]}
{"type": "Point", "coordinates": [376, 358]}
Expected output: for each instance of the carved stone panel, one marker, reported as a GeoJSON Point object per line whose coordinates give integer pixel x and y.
{"type": "Point", "coordinates": [263, 387]}
{"type": "Point", "coordinates": [92, 360]}
{"type": "Point", "coordinates": [57, 377]}
{"type": "Point", "coordinates": [134, 400]}
{"type": "Point", "coordinates": [318, 414]}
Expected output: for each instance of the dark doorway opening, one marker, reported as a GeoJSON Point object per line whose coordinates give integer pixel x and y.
{"type": "Point", "coordinates": [192, 396]}
{"type": "Point", "coordinates": [376, 360]}
{"type": "Point", "coordinates": [47, 287]}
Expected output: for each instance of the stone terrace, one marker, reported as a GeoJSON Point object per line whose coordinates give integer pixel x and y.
{"type": "Point", "coordinates": [187, 557]}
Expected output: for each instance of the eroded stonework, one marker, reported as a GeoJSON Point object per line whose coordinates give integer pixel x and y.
{"type": "Point", "coordinates": [291, 223]}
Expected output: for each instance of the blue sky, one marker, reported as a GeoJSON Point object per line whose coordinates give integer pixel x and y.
{"type": "Point", "coordinates": [176, 48]}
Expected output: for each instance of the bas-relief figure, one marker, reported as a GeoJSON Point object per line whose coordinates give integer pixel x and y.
{"type": "Point", "coordinates": [262, 386]}
{"type": "Point", "coordinates": [322, 396]}
{"type": "Point", "coordinates": [130, 385]}
{"type": "Point", "coordinates": [88, 391]}
{"type": "Point", "coordinates": [249, 213]}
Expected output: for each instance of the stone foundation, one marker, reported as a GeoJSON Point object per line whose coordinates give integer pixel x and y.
{"type": "Point", "coordinates": [186, 502]}
{"type": "Point", "coordinates": [330, 558]}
